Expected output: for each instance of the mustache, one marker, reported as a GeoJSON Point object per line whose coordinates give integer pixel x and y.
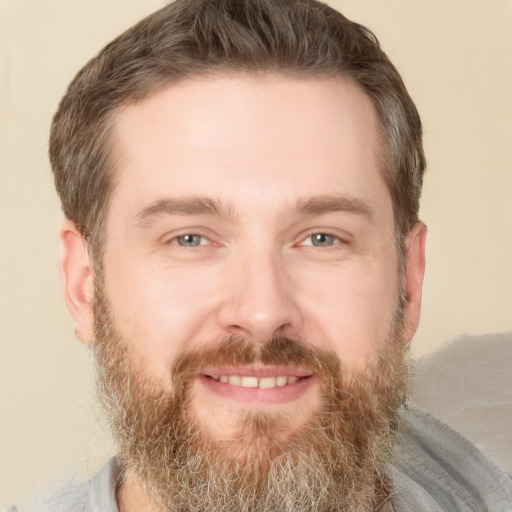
{"type": "Point", "coordinates": [280, 351]}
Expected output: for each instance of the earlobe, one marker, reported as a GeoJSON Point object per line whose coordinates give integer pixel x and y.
{"type": "Point", "coordinates": [413, 277]}
{"type": "Point", "coordinates": [76, 274]}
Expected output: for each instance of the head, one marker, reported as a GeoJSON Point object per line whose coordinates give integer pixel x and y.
{"type": "Point", "coordinates": [197, 38]}
{"type": "Point", "coordinates": [241, 182]}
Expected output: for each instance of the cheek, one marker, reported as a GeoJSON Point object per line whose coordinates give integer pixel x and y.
{"type": "Point", "coordinates": [158, 310]}
{"type": "Point", "coordinates": [352, 311]}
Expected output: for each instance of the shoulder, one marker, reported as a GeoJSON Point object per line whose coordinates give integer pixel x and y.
{"type": "Point", "coordinates": [446, 468]}
{"type": "Point", "coordinates": [96, 494]}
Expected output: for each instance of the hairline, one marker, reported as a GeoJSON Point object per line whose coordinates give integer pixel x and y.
{"type": "Point", "coordinates": [113, 157]}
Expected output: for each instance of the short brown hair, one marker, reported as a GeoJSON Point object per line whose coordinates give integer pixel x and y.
{"type": "Point", "coordinates": [188, 38]}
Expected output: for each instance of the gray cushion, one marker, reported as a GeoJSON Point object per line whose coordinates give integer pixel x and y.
{"type": "Point", "coordinates": [467, 383]}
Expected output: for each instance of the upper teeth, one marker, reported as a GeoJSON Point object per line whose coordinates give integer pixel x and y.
{"type": "Point", "coordinates": [257, 382]}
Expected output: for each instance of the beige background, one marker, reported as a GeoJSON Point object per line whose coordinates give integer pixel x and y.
{"type": "Point", "coordinates": [456, 58]}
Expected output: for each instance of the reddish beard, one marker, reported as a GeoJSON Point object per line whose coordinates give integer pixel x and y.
{"type": "Point", "coordinates": [335, 461]}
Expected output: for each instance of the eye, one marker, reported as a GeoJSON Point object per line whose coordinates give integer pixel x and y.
{"type": "Point", "coordinates": [321, 240]}
{"type": "Point", "coordinates": [190, 240]}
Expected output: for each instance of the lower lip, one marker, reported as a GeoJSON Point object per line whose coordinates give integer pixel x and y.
{"type": "Point", "coordinates": [256, 396]}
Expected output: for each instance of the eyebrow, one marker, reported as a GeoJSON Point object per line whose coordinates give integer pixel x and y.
{"type": "Point", "coordinates": [185, 206]}
{"type": "Point", "coordinates": [317, 205]}
{"type": "Point", "coordinates": [321, 205]}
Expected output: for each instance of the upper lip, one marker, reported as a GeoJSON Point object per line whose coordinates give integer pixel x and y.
{"type": "Point", "coordinates": [257, 371]}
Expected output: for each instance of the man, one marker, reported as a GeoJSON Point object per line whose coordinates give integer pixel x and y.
{"type": "Point", "coordinates": [242, 251]}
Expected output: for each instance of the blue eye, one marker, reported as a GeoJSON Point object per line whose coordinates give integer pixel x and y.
{"type": "Point", "coordinates": [190, 240]}
{"type": "Point", "coordinates": [321, 240]}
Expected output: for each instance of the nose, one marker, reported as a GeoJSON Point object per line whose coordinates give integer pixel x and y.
{"type": "Point", "coordinates": [259, 300]}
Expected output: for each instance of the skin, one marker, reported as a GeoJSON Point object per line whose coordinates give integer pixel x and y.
{"type": "Point", "coordinates": [282, 160]}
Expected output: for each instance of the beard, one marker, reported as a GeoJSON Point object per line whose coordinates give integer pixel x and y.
{"type": "Point", "coordinates": [335, 461]}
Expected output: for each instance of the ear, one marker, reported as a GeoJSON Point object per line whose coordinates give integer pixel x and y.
{"type": "Point", "coordinates": [76, 274]}
{"type": "Point", "coordinates": [413, 276]}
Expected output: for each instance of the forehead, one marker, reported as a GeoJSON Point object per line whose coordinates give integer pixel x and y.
{"type": "Point", "coordinates": [227, 134]}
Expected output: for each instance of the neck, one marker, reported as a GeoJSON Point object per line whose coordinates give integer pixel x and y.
{"type": "Point", "coordinates": [131, 496]}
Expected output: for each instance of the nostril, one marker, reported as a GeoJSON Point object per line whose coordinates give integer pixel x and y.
{"type": "Point", "coordinates": [259, 309]}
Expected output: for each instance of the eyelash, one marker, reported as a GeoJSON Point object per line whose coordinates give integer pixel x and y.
{"type": "Point", "coordinates": [176, 239]}
{"type": "Point", "coordinates": [335, 240]}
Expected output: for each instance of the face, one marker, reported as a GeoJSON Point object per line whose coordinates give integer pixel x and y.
{"type": "Point", "coordinates": [248, 210]}
{"type": "Point", "coordinates": [253, 208]}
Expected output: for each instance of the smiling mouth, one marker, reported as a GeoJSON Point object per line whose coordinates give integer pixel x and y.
{"type": "Point", "coordinates": [246, 381]}
{"type": "Point", "coordinates": [258, 386]}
